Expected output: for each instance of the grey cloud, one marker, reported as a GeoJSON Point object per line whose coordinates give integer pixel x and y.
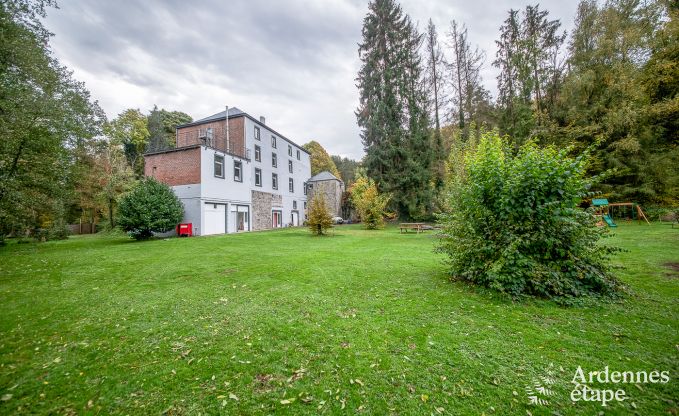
{"type": "Point", "coordinates": [293, 61]}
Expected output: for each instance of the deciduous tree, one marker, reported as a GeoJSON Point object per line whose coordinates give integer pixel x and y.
{"type": "Point", "coordinates": [320, 159]}
{"type": "Point", "coordinates": [44, 115]}
{"type": "Point", "coordinates": [319, 219]}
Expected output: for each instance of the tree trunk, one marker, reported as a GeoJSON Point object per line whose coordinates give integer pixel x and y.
{"type": "Point", "coordinates": [110, 212]}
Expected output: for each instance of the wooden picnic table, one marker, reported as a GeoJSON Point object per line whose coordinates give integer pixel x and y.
{"type": "Point", "coordinates": [417, 226]}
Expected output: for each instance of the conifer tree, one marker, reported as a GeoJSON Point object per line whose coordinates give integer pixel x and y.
{"type": "Point", "coordinates": [392, 110]}
{"type": "Point", "coordinates": [471, 101]}
{"type": "Point", "coordinates": [435, 89]}
{"type": "Point", "coordinates": [530, 70]}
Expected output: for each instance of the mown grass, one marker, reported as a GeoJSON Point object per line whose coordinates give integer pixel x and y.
{"type": "Point", "coordinates": [281, 322]}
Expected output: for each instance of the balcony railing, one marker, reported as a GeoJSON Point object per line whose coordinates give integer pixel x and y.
{"type": "Point", "coordinates": [216, 140]}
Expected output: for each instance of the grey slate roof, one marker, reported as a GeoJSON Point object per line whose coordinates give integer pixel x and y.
{"type": "Point", "coordinates": [233, 111]}
{"type": "Point", "coordinates": [324, 176]}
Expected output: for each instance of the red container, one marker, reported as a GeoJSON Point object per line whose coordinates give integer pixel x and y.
{"type": "Point", "coordinates": [185, 230]}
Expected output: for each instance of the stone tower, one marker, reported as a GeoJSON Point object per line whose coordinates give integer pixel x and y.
{"type": "Point", "coordinates": [330, 187]}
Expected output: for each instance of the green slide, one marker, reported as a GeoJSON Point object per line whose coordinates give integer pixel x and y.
{"type": "Point", "coordinates": [609, 221]}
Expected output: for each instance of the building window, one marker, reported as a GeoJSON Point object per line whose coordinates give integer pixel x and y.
{"type": "Point", "coordinates": [294, 204]}
{"type": "Point", "coordinates": [291, 185]}
{"type": "Point", "coordinates": [305, 205]}
{"type": "Point", "coordinates": [219, 166]}
{"type": "Point", "coordinates": [258, 153]}
{"type": "Point", "coordinates": [257, 133]}
{"type": "Point", "coordinates": [289, 150]}
{"type": "Point", "coordinates": [274, 180]}
{"type": "Point", "coordinates": [258, 177]}
{"type": "Point", "coordinates": [273, 141]}
{"type": "Point", "coordinates": [298, 153]}
{"type": "Point", "coordinates": [274, 160]}
{"type": "Point", "coordinates": [290, 166]}
{"type": "Point", "coordinates": [305, 186]}
{"type": "Point", "coordinates": [238, 171]}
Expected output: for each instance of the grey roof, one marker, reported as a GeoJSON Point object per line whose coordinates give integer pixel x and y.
{"type": "Point", "coordinates": [233, 111]}
{"type": "Point", "coordinates": [324, 176]}
{"type": "Point", "coordinates": [236, 112]}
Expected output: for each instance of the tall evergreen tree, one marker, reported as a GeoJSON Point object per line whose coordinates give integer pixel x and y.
{"type": "Point", "coordinates": [435, 83]}
{"type": "Point", "coordinates": [392, 110]}
{"type": "Point", "coordinates": [471, 101]}
{"type": "Point", "coordinates": [530, 71]}
{"type": "Point", "coordinates": [417, 200]}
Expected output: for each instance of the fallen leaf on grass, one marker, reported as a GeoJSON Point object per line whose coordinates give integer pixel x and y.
{"type": "Point", "coordinates": [6, 397]}
{"type": "Point", "coordinates": [296, 375]}
{"type": "Point", "coordinates": [233, 397]}
{"type": "Point", "coordinates": [287, 401]}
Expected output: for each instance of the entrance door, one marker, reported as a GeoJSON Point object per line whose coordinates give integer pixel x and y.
{"type": "Point", "coordinates": [215, 219]}
{"type": "Point", "coordinates": [276, 219]}
{"type": "Point", "coordinates": [241, 217]}
{"type": "Point", "coordinates": [295, 218]}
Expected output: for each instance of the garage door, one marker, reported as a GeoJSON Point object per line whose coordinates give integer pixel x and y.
{"type": "Point", "coordinates": [215, 219]}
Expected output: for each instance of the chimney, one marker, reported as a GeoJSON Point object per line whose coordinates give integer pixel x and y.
{"type": "Point", "coordinates": [262, 120]}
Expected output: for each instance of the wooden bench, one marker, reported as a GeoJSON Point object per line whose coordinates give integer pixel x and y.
{"type": "Point", "coordinates": [417, 226]}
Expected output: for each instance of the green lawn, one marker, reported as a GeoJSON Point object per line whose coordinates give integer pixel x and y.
{"type": "Point", "coordinates": [287, 323]}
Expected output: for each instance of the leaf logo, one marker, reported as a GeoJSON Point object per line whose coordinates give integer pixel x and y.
{"type": "Point", "coordinates": [539, 391]}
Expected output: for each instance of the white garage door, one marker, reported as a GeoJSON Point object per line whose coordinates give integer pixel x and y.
{"type": "Point", "coordinates": [215, 219]}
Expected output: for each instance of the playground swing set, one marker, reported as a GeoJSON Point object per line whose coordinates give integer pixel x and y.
{"type": "Point", "coordinates": [625, 210]}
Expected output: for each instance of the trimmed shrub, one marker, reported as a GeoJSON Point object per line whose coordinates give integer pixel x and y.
{"type": "Point", "coordinates": [514, 225]}
{"type": "Point", "coordinates": [150, 207]}
{"type": "Point", "coordinates": [319, 220]}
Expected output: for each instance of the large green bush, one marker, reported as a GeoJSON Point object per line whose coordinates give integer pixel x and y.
{"type": "Point", "coordinates": [514, 224]}
{"type": "Point", "coordinates": [150, 207]}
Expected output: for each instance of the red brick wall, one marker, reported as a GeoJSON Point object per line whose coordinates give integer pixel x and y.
{"type": "Point", "coordinates": [187, 136]}
{"type": "Point", "coordinates": [178, 167]}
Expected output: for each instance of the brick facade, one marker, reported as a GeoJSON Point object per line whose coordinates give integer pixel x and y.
{"type": "Point", "coordinates": [262, 205]}
{"type": "Point", "coordinates": [188, 136]}
{"type": "Point", "coordinates": [174, 167]}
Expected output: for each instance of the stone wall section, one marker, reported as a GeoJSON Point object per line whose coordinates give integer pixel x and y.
{"type": "Point", "coordinates": [262, 205]}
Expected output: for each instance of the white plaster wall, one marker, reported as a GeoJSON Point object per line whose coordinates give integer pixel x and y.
{"type": "Point", "coordinates": [189, 195]}
{"type": "Point", "coordinates": [301, 168]}
{"type": "Point", "coordinates": [225, 189]}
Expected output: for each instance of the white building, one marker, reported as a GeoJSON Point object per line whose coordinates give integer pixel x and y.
{"type": "Point", "coordinates": [234, 174]}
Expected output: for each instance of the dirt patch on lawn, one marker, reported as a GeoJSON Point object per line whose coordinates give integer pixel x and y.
{"type": "Point", "coordinates": [673, 267]}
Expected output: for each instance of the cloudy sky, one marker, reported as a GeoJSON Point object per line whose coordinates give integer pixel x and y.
{"type": "Point", "coordinates": [292, 61]}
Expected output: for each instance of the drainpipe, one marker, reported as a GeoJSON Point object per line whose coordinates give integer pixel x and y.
{"type": "Point", "coordinates": [228, 140]}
